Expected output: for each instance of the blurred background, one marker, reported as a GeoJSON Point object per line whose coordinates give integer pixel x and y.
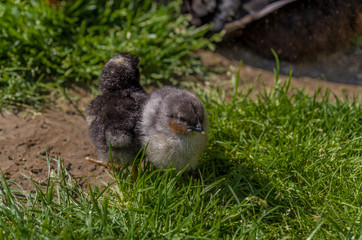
{"type": "Point", "coordinates": [320, 39]}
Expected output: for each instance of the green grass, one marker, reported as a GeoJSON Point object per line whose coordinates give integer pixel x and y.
{"type": "Point", "coordinates": [284, 166]}
{"type": "Point", "coordinates": [43, 48]}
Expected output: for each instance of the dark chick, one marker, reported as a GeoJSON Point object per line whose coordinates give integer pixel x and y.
{"type": "Point", "coordinates": [113, 116]}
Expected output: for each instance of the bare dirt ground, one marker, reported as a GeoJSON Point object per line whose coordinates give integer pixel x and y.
{"type": "Point", "coordinates": [25, 139]}
{"type": "Point", "coordinates": [63, 131]}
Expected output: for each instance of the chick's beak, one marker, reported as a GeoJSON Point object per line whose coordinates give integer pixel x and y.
{"type": "Point", "coordinates": [199, 128]}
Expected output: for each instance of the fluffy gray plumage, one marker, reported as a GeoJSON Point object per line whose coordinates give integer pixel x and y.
{"type": "Point", "coordinates": [113, 116]}
{"type": "Point", "coordinates": [174, 125]}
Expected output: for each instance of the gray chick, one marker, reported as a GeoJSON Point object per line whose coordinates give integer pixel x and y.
{"type": "Point", "coordinates": [113, 116]}
{"type": "Point", "coordinates": [174, 128]}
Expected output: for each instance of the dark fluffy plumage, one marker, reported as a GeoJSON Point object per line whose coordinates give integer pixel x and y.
{"type": "Point", "coordinates": [113, 116]}
{"type": "Point", "coordinates": [121, 72]}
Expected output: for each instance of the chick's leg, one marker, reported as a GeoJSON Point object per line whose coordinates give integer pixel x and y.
{"type": "Point", "coordinates": [98, 162]}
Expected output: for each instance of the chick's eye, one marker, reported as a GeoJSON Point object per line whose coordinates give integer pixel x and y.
{"type": "Point", "coordinates": [182, 119]}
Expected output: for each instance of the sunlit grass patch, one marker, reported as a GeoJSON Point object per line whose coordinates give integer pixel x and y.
{"type": "Point", "coordinates": [44, 48]}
